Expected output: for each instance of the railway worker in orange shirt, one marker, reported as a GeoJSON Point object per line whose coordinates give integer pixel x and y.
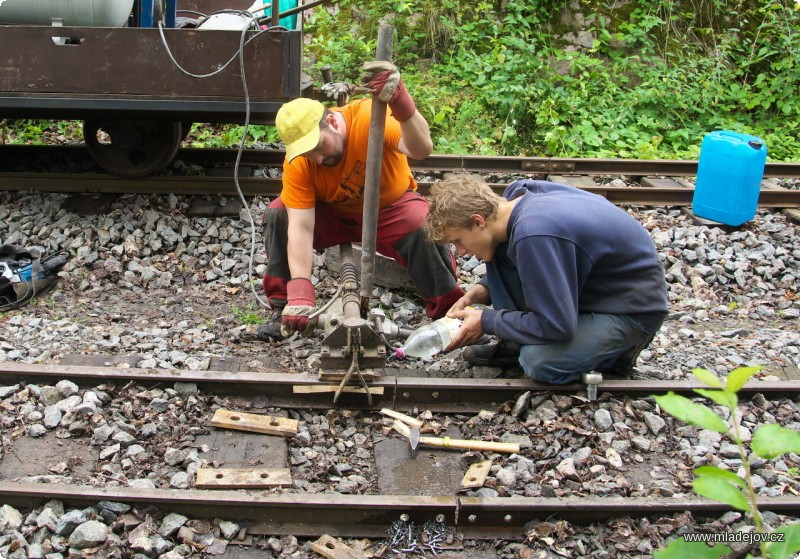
{"type": "Point", "coordinates": [321, 202]}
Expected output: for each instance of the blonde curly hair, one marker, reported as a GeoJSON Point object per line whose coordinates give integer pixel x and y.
{"type": "Point", "coordinates": [455, 199]}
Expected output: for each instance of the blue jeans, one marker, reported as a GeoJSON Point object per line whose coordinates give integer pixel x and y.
{"type": "Point", "coordinates": [599, 341]}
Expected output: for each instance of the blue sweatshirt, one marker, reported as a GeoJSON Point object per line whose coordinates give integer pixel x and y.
{"type": "Point", "coordinates": [575, 252]}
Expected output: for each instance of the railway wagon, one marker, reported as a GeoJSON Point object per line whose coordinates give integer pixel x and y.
{"type": "Point", "coordinates": [138, 73]}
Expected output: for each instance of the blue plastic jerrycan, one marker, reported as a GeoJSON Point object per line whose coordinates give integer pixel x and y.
{"type": "Point", "coordinates": [729, 175]}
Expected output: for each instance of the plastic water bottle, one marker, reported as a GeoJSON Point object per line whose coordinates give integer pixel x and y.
{"type": "Point", "coordinates": [429, 340]}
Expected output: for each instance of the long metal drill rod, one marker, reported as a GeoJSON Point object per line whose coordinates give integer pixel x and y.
{"type": "Point", "coordinates": [369, 228]}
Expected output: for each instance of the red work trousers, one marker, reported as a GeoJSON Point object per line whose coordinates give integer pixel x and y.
{"type": "Point", "coordinates": [431, 267]}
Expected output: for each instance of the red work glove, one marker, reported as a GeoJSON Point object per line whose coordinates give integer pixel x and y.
{"type": "Point", "coordinates": [300, 305]}
{"type": "Point", "coordinates": [383, 79]}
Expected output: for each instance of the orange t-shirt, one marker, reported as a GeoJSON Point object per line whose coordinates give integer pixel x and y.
{"type": "Point", "coordinates": [306, 183]}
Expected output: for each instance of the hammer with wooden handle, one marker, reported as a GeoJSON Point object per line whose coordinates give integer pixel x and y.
{"type": "Point", "coordinates": [447, 442]}
{"type": "Point", "coordinates": [413, 439]}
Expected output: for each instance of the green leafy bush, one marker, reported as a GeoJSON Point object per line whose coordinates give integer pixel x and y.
{"type": "Point", "coordinates": [495, 77]}
{"type": "Point", "coordinates": [768, 442]}
{"type": "Point", "coordinates": [646, 79]}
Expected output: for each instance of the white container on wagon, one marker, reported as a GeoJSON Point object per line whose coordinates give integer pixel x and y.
{"type": "Point", "coordinates": [72, 13]}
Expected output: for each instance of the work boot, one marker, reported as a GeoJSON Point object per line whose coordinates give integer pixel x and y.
{"type": "Point", "coordinates": [623, 367]}
{"type": "Point", "coordinates": [625, 364]}
{"type": "Point", "coordinates": [270, 331]}
{"type": "Point", "coordinates": [500, 354]}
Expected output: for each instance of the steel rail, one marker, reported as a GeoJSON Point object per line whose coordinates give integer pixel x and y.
{"type": "Point", "coordinates": [102, 183]}
{"type": "Point", "coordinates": [371, 515]}
{"type": "Point", "coordinates": [437, 394]}
{"type": "Point", "coordinates": [440, 162]}
{"type": "Point", "coordinates": [581, 166]}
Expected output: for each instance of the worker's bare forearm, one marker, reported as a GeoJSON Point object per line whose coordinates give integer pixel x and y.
{"type": "Point", "coordinates": [299, 259]}
{"type": "Point", "coordinates": [477, 295]}
{"type": "Point", "coordinates": [300, 246]}
{"type": "Point", "coordinates": [415, 140]}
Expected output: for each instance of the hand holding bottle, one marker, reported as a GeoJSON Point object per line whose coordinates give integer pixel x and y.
{"type": "Point", "coordinates": [442, 335]}
{"type": "Point", "coordinates": [471, 329]}
{"type": "Point", "coordinates": [430, 339]}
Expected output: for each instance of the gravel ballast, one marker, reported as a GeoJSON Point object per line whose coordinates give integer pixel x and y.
{"type": "Point", "coordinates": [147, 280]}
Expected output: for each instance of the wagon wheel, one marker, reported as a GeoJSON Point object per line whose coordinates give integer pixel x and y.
{"type": "Point", "coordinates": [132, 148]}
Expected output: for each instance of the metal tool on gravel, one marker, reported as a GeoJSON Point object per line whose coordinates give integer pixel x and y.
{"type": "Point", "coordinates": [459, 444]}
{"type": "Point", "coordinates": [413, 439]}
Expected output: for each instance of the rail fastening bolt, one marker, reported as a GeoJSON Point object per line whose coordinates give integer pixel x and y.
{"type": "Point", "coordinates": [591, 380]}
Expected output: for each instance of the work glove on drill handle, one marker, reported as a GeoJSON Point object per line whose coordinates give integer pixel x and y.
{"type": "Point", "coordinates": [383, 79]}
{"type": "Point", "coordinates": [300, 305]}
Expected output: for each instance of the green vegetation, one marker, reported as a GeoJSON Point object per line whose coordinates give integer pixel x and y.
{"type": "Point", "coordinates": [37, 132]}
{"type": "Point", "coordinates": [653, 77]}
{"type": "Point", "coordinates": [248, 315]}
{"type": "Point", "coordinates": [769, 441]}
{"type": "Point", "coordinates": [228, 135]}
{"type": "Point", "coordinates": [636, 79]}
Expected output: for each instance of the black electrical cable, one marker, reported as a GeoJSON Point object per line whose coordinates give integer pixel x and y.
{"type": "Point", "coordinates": [240, 53]}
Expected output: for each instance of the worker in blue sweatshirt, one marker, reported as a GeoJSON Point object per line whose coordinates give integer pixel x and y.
{"type": "Point", "coordinates": [575, 284]}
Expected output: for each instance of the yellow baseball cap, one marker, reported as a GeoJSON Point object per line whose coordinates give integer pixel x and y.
{"type": "Point", "coordinates": [298, 125]}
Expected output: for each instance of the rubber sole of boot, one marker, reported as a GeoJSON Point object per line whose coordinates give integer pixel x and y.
{"type": "Point", "coordinates": [501, 354]}
{"type": "Point", "coordinates": [270, 332]}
